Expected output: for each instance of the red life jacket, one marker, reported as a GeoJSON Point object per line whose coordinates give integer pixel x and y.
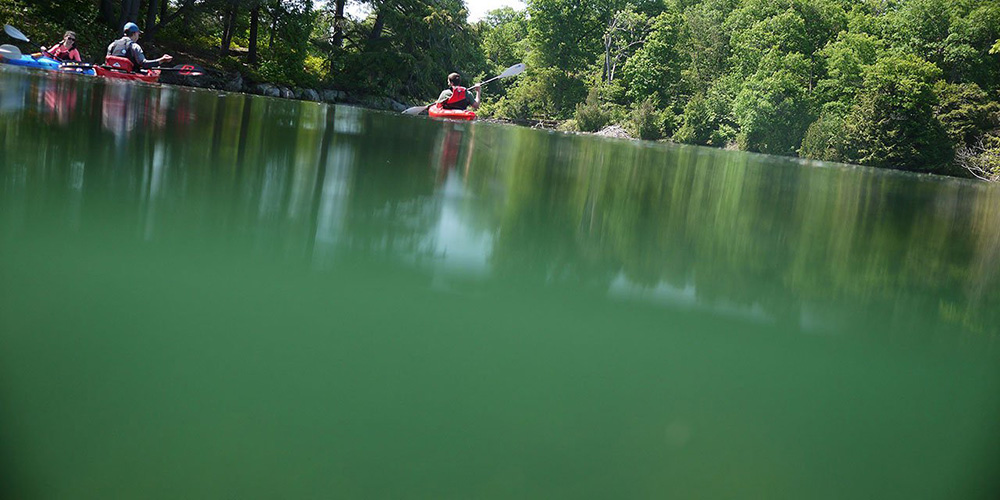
{"type": "Point", "coordinates": [60, 52]}
{"type": "Point", "coordinates": [457, 100]}
{"type": "Point", "coordinates": [122, 63]}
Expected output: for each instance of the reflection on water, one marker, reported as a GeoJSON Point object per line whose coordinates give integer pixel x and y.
{"type": "Point", "coordinates": [301, 299]}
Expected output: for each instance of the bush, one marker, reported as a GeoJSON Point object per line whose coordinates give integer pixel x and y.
{"type": "Point", "coordinates": [646, 122]}
{"type": "Point", "coordinates": [590, 116]}
{"type": "Point", "coordinates": [824, 139]}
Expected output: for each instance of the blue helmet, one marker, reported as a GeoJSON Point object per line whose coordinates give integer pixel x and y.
{"type": "Point", "coordinates": [131, 28]}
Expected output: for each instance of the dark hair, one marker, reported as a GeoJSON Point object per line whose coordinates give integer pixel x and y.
{"type": "Point", "coordinates": [72, 34]}
{"type": "Point", "coordinates": [454, 79]}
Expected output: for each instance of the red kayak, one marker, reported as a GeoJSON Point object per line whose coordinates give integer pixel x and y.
{"type": "Point", "coordinates": [149, 76]}
{"type": "Point", "coordinates": [455, 114]}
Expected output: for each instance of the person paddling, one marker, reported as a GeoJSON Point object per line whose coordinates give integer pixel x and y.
{"type": "Point", "coordinates": [457, 96]}
{"type": "Point", "coordinates": [65, 50]}
{"type": "Point", "coordinates": [127, 55]}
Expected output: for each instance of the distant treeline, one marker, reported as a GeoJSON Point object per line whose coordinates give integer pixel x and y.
{"type": "Point", "coordinates": [906, 84]}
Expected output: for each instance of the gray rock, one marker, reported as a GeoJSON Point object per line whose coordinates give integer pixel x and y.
{"type": "Point", "coordinates": [233, 84]}
{"type": "Point", "coordinates": [266, 89]}
{"type": "Point", "coordinates": [330, 95]}
{"type": "Point", "coordinates": [614, 131]}
{"type": "Point", "coordinates": [310, 95]}
{"type": "Point", "coordinates": [397, 106]}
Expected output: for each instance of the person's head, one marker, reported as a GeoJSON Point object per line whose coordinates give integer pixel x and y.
{"type": "Point", "coordinates": [132, 31]}
{"type": "Point", "coordinates": [454, 79]}
{"type": "Point", "coordinates": [69, 39]}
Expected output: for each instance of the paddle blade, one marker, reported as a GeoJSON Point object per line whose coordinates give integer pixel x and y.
{"type": "Point", "coordinates": [15, 33]}
{"type": "Point", "coordinates": [10, 52]}
{"type": "Point", "coordinates": [186, 70]}
{"type": "Point", "coordinates": [513, 70]}
{"type": "Point", "coordinates": [416, 110]}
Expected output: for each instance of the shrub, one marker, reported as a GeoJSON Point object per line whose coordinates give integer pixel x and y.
{"type": "Point", "coordinates": [590, 116]}
{"type": "Point", "coordinates": [645, 122]}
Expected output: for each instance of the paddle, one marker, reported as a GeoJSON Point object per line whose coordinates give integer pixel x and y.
{"type": "Point", "coordinates": [511, 71]}
{"type": "Point", "coordinates": [10, 52]}
{"type": "Point", "coordinates": [15, 33]}
{"type": "Point", "coordinates": [185, 69]}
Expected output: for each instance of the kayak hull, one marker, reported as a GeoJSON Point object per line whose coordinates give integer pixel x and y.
{"type": "Point", "coordinates": [151, 76]}
{"type": "Point", "coordinates": [27, 61]}
{"type": "Point", "coordinates": [48, 64]}
{"type": "Point", "coordinates": [437, 111]}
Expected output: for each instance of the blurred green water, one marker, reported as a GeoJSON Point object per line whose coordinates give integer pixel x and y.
{"type": "Point", "coordinates": [210, 295]}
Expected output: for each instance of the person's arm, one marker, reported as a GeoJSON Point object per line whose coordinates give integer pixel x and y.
{"type": "Point", "coordinates": [475, 103]}
{"type": "Point", "coordinates": [144, 63]}
{"type": "Point", "coordinates": [75, 55]}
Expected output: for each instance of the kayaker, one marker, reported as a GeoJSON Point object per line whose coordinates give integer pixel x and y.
{"type": "Point", "coordinates": [456, 96]}
{"type": "Point", "coordinates": [65, 50]}
{"type": "Point", "coordinates": [126, 54]}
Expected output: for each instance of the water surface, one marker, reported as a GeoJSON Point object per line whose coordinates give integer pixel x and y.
{"type": "Point", "coordinates": [208, 295]}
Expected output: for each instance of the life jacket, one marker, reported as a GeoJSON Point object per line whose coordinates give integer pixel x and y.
{"type": "Point", "coordinates": [122, 63]}
{"type": "Point", "coordinates": [458, 99]}
{"type": "Point", "coordinates": [119, 52]}
{"type": "Point", "coordinates": [60, 52]}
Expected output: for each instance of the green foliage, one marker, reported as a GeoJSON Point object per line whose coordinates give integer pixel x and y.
{"type": "Point", "coordinates": [646, 122]}
{"type": "Point", "coordinates": [774, 106]}
{"type": "Point", "coordinates": [707, 118]}
{"type": "Point", "coordinates": [824, 139]}
{"type": "Point", "coordinates": [564, 33]}
{"type": "Point", "coordinates": [654, 72]}
{"type": "Point", "coordinates": [845, 60]}
{"type": "Point", "coordinates": [965, 111]}
{"type": "Point", "coordinates": [893, 124]}
{"type": "Point", "coordinates": [505, 37]}
{"type": "Point", "coordinates": [590, 116]}
{"type": "Point", "coordinates": [542, 92]}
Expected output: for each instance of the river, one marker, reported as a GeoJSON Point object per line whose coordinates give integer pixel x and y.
{"type": "Point", "coordinates": [213, 295]}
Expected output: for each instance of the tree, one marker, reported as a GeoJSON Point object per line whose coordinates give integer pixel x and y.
{"type": "Point", "coordinates": [893, 124]}
{"type": "Point", "coordinates": [655, 69]}
{"type": "Point", "coordinates": [774, 107]}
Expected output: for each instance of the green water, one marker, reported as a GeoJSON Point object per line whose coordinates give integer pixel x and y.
{"type": "Point", "coordinates": [209, 295]}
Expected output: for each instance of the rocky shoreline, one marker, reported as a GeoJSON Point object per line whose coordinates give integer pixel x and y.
{"type": "Point", "coordinates": [234, 82]}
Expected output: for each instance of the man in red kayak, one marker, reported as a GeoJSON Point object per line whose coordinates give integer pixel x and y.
{"type": "Point", "coordinates": [457, 96]}
{"type": "Point", "coordinates": [65, 50]}
{"type": "Point", "coordinates": [126, 54]}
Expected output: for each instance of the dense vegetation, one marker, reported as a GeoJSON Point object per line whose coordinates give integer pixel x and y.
{"type": "Point", "coordinates": [906, 84]}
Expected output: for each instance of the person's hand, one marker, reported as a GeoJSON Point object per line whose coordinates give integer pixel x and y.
{"type": "Point", "coordinates": [166, 58]}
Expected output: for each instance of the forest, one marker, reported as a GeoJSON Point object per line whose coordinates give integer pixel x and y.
{"type": "Point", "coordinates": [901, 84]}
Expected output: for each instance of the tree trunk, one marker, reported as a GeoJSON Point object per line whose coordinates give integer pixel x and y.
{"type": "Point", "coordinates": [129, 12]}
{"type": "Point", "coordinates": [338, 24]}
{"type": "Point", "coordinates": [108, 16]}
{"type": "Point", "coordinates": [163, 10]}
{"type": "Point", "coordinates": [230, 25]}
{"type": "Point", "coordinates": [151, 14]}
{"type": "Point", "coordinates": [254, 22]}
{"type": "Point", "coordinates": [376, 32]}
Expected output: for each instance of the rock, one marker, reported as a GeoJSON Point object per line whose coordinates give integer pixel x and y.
{"type": "Point", "coordinates": [308, 95]}
{"type": "Point", "coordinates": [286, 93]}
{"type": "Point", "coordinates": [397, 106]}
{"type": "Point", "coordinates": [266, 89]}
{"type": "Point", "coordinates": [330, 95]}
{"type": "Point", "coordinates": [233, 84]}
{"type": "Point", "coordinates": [615, 131]}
